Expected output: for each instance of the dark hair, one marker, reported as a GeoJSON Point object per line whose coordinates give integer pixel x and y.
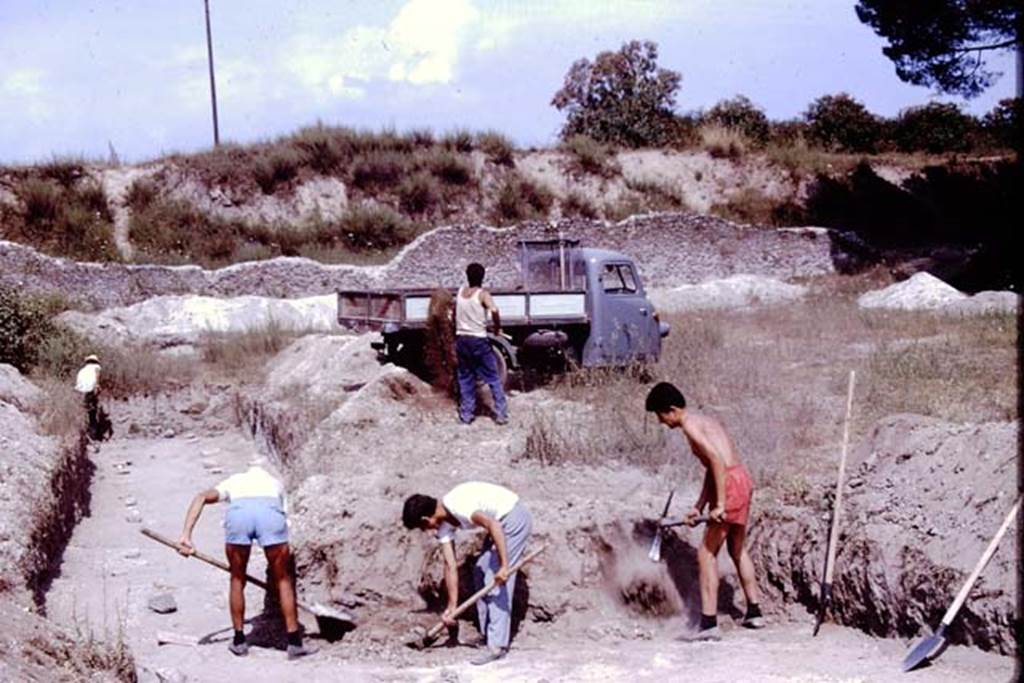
{"type": "Point", "coordinates": [664, 397]}
{"type": "Point", "coordinates": [417, 506]}
{"type": "Point", "coordinates": [475, 274]}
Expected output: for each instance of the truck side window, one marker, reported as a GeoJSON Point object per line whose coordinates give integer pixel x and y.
{"type": "Point", "coordinates": [618, 279]}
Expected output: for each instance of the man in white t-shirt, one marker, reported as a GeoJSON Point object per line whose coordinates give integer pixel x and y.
{"type": "Point", "coordinates": [257, 512]}
{"type": "Point", "coordinates": [87, 383]}
{"type": "Point", "coordinates": [508, 523]}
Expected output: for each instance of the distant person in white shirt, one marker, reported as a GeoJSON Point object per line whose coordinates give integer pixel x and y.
{"type": "Point", "coordinates": [256, 512]}
{"type": "Point", "coordinates": [508, 523]}
{"type": "Point", "coordinates": [475, 359]}
{"type": "Point", "coordinates": [87, 383]}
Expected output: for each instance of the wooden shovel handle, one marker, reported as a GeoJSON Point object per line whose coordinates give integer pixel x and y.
{"type": "Point", "coordinates": [833, 536]}
{"type": "Point", "coordinates": [985, 557]}
{"type": "Point", "coordinates": [436, 629]}
{"type": "Point", "coordinates": [159, 538]}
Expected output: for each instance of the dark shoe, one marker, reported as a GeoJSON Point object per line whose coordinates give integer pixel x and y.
{"type": "Point", "coordinates": [754, 622]}
{"type": "Point", "coordinates": [706, 634]}
{"type": "Point", "coordinates": [501, 420]}
{"type": "Point", "coordinates": [239, 649]}
{"type": "Point", "coordinates": [298, 651]}
{"type": "Point", "coordinates": [490, 654]}
{"type": "Point", "coordinates": [466, 422]}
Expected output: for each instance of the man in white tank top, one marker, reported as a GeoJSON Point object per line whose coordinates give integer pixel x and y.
{"type": "Point", "coordinates": [473, 351]}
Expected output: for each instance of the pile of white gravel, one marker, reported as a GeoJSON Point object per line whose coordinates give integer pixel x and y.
{"type": "Point", "coordinates": [736, 291]}
{"type": "Point", "coordinates": [925, 292]}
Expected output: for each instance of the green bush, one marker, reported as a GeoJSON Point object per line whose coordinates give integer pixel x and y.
{"type": "Point", "coordinates": [24, 325]}
{"type": "Point", "coordinates": [841, 123]}
{"type": "Point", "coordinates": [591, 156]}
{"type": "Point", "coordinates": [65, 171]}
{"type": "Point", "coordinates": [450, 167]}
{"type": "Point", "coordinates": [276, 169]}
{"type": "Point", "coordinates": [173, 231]}
{"type": "Point", "coordinates": [422, 137]}
{"type": "Point", "coordinates": [379, 168]}
{"type": "Point", "coordinates": [373, 226]}
{"type": "Point", "coordinates": [419, 193]}
{"type": "Point", "coordinates": [498, 148]}
{"type": "Point", "coordinates": [936, 127]}
{"type": "Point", "coordinates": [1004, 123]}
{"type": "Point", "coordinates": [742, 115]}
{"type": "Point", "coordinates": [73, 222]}
{"type": "Point", "coordinates": [576, 204]}
{"type": "Point", "coordinates": [141, 194]}
{"type": "Point", "coordinates": [520, 198]}
{"type": "Point", "coordinates": [321, 148]}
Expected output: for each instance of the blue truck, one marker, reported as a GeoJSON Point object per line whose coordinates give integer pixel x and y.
{"type": "Point", "coordinates": [575, 307]}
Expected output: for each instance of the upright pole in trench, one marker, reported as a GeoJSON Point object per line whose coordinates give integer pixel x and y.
{"type": "Point", "coordinates": [825, 595]}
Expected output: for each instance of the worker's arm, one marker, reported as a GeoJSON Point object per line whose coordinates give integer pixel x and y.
{"type": "Point", "coordinates": [203, 498]}
{"type": "Point", "coordinates": [451, 581]}
{"type": "Point", "coordinates": [493, 527]}
{"type": "Point", "coordinates": [488, 302]}
{"type": "Point", "coordinates": [706, 492]}
{"type": "Point", "coordinates": [706, 453]}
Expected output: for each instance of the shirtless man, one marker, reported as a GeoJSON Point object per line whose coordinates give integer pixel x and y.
{"type": "Point", "coordinates": [727, 491]}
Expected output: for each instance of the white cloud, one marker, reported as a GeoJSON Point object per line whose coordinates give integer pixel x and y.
{"type": "Point", "coordinates": [23, 89]}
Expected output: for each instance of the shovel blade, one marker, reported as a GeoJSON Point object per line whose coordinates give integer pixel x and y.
{"type": "Point", "coordinates": [654, 554]}
{"type": "Point", "coordinates": [925, 650]}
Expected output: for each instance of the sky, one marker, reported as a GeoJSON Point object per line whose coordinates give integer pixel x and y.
{"type": "Point", "coordinates": [84, 77]}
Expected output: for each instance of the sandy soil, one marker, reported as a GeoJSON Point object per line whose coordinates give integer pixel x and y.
{"type": "Point", "coordinates": [110, 571]}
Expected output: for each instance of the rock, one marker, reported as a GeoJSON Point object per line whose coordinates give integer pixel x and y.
{"type": "Point", "coordinates": [168, 433]}
{"type": "Point", "coordinates": [162, 603]}
{"type": "Point", "coordinates": [130, 502]}
{"type": "Point", "coordinates": [168, 675]}
{"type": "Point", "coordinates": [132, 554]}
{"type": "Point", "coordinates": [133, 516]}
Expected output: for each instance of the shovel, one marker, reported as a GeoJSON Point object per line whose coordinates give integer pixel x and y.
{"type": "Point", "coordinates": [932, 646]}
{"type": "Point", "coordinates": [654, 554]}
{"type": "Point", "coordinates": [328, 619]}
{"type": "Point", "coordinates": [422, 641]}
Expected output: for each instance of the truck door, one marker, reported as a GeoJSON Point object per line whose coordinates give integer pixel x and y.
{"type": "Point", "coordinates": [626, 319]}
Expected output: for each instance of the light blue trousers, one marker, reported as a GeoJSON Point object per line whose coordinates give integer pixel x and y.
{"type": "Point", "coordinates": [494, 610]}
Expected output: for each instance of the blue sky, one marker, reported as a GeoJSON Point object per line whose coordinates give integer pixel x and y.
{"type": "Point", "coordinates": [79, 76]}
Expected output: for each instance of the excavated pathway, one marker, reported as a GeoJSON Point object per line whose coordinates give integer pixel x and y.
{"type": "Point", "coordinates": [110, 571]}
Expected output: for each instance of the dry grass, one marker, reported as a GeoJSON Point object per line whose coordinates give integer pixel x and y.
{"type": "Point", "coordinates": [241, 355]}
{"type": "Point", "coordinates": [776, 377]}
{"type": "Point", "coordinates": [722, 142]}
{"type": "Point", "coordinates": [520, 198]}
{"type": "Point", "coordinates": [590, 156]}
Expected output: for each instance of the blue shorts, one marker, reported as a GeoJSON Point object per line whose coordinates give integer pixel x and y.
{"type": "Point", "coordinates": [255, 519]}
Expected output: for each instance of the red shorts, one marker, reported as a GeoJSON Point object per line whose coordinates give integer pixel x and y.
{"type": "Point", "coordinates": [739, 488]}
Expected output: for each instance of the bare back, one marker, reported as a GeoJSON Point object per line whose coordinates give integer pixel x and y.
{"type": "Point", "coordinates": [708, 438]}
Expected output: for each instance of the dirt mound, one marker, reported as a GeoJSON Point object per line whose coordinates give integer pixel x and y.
{"type": "Point", "coordinates": [17, 390]}
{"type": "Point", "coordinates": [737, 291]}
{"type": "Point", "coordinates": [44, 490]}
{"type": "Point", "coordinates": [671, 249]}
{"type": "Point", "coordinates": [924, 498]}
{"type": "Point", "coordinates": [167, 321]}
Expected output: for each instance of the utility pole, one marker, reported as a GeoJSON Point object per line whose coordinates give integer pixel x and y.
{"type": "Point", "coordinates": [213, 83]}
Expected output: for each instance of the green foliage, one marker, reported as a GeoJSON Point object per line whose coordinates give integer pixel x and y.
{"type": "Point", "coordinates": [841, 123]}
{"type": "Point", "coordinates": [621, 97]}
{"type": "Point", "coordinates": [935, 127]}
{"type": "Point", "coordinates": [276, 168]}
{"type": "Point", "coordinates": [742, 115]}
{"type": "Point", "coordinates": [576, 204]}
{"type": "Point", "coordinates": [1004, 123]}
{"type": "Point", "coordinates": [419, 193]}
{"type": "Point", "coordinates": [373, 226]}
{"type": "Point", "coordinates": [66, 171]}
{"type": "Point", "coordinates": [591, 156]}
{"type": "Point", "coordinates": [498, 148]}
{"type": "Point", "coordinates": [520, 198]}
{"type": "Point", "coordinates": [24, 325]}
{"type": "Point", "coordinates": [141, 194]}
{"type": "Point", "coordinates": [942, 43]}
{"type": "Point", "coordinates": [379, 168]}
{"type": "Point", "coordinates": [71, 221]}
{"type": "Point", "coordinates": [450, 167]}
